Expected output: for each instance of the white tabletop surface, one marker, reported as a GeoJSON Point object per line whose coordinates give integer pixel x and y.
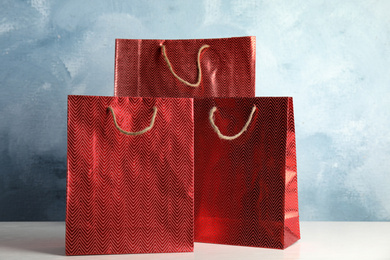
{"type": "Point", "coordinates": [320, 240]}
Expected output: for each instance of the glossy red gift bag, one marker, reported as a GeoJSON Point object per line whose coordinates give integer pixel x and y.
{"type": "Point", "coordinates": [245, 172]}
{"type": "Point", "coordinates": [130, 175]}
{"type": "Point", "coordinates": [222, 67]}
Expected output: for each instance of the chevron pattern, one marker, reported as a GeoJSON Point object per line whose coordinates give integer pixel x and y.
{"type": "Point", "coordinates": [129, 194]}
{"type": "Point", "coordinates": [228, 68]}
{"type": "Point", "coordinates": [246, 189]}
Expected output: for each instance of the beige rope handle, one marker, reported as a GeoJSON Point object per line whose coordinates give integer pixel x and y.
{"type": "Point", "coordinates": [134, 133]}
{"type": "Point", "coordinates": [225, 137]}
{"type": "Point", "coordinates": [176, 76]}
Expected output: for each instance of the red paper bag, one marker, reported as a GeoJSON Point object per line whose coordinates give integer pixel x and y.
{"type": "Point", "coordinates": [245, 172]}
{"type": "Point", "coordinates": [130, 175]}
{"type": "Point", "coordinates": [186, 68]}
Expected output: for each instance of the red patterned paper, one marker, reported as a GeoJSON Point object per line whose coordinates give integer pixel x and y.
{"type": "Point", "coordinates": [227, 66]}
{"type": "Point", "coordinates": [129, 194]}
{"type": "Point", "coordinates": [246, 188]}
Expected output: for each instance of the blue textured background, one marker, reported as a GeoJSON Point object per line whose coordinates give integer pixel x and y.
{"type": "Point", "coordinates": [332, 56]}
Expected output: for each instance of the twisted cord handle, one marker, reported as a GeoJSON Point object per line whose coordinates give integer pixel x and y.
{"type": "Point", "coordinates": [225, 137]}
{"type": "Point", "coordinates": [198, 62]}
{"type": "Point", "coordinates": [134, 133]}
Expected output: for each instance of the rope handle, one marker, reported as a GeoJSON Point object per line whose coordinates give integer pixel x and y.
{"type": "Point", "coordinates": [198, 62]}
{"type": "Point", "coordinates": [225, 137]}
{"type": "Point", "coordinates": [134, 133]}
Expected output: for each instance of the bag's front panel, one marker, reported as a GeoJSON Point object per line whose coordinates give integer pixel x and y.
{"type": "Point", "coordinates": [129, 194]}
{"type": "Point", "coordinates": [239, 184]}
{"type": "Point", "coordinates": [227, 67]}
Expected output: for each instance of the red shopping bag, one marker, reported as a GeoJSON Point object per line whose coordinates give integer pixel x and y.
{"type": "Point", "coordinates": [130, 175]}
{"type": "Point", "coordinates": [245, 172]}
{"type": "Point", "coordinates": [186, 68]}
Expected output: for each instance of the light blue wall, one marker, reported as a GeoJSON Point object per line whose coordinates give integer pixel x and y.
{"type": "Point", "coordinates": [332, 56]}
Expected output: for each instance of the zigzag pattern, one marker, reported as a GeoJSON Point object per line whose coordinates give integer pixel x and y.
{"type": "Point", "coordinates": [246, 189]}
{"type": "Point", "coordinates": [129, 194]}
{"type": "Point", "coordinates": [228, 68]}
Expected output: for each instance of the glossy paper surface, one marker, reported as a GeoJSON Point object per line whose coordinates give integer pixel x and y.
{"type": "Point", "coordinates": [246, 188]}
{"type": "Point", "coordinates": [228, 68]}
{"type": "Point", "coordinates": [129, 194]}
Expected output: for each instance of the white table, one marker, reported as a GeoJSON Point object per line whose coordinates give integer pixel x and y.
{"type": "Point", "coordinates": [320, 240]}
